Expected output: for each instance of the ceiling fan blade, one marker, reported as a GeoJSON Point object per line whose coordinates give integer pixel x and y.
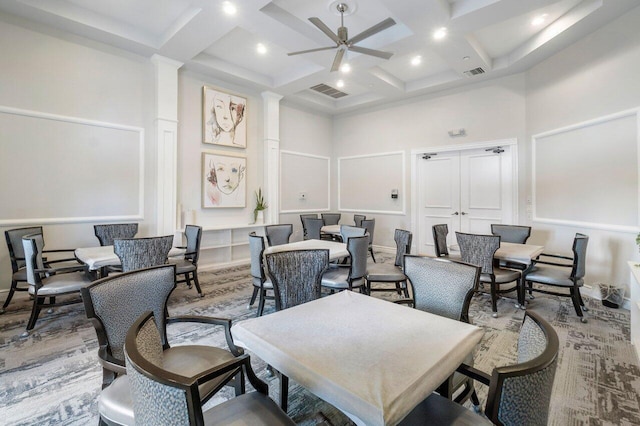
{"type": "Point", "coordinates": [337, 60]}
{"type": "Point", "coordinates": [322, 27]}
{"type": "Point", "coordinates": [311, 50]}
{"type": "Point", "coordinates": [373, 30]}
{"type": "Point", "coordinates": [371, 52]}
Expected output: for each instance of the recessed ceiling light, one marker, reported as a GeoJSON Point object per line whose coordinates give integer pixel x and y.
{"type": "Point", "coordinates": [340, 83]}
{"type": "Point", "coordinates": [440, 33]}
{"type": "Point", "coordinates": [416, 60]}
{"type": "Point", "coordinates": [539, 20]}
{"type": "Point", "coordinates": [261, 48]}
{"type": "Point", "coordinates": [345, 68]}
{"type": "Point", "coordinates": [229, 8]}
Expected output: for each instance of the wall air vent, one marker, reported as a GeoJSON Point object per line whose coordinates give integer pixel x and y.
{"type": "Point", "coordinates": [475, 71]}
{"type": "Point", "coordinates": [328, 90]}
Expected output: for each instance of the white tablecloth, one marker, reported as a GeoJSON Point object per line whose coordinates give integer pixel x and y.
{"type": "Point", "coordinates": [372, 359]}
{"type": "Point", "coordinates": [98, 257]}
{"type": "Point", "coordinates": [336, 250]}
{"type": "Point", "coordinates": [330, 229]}
{"type": "Point", "coordinates": [520, 253]}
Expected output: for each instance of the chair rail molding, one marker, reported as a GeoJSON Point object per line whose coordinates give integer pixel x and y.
{"type": "Point", "coordinates": [271, 113]}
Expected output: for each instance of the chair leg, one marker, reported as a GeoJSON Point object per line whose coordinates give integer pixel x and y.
{"type": "Point", "coordinates": [239, 383]}
{"type": "Point", "coordinates": [12, 290]}
{"type": "Point", "coordinates": [372, 256]}
{"type": "Point", "coordinates": [584, 307]}
{"type": "Point", "coordinates": [284, 392]}
{"type": "Point", "coordinates": [263, 294]}
{"type": "Point", "coordinates": [494, 301]}
{"type": "Point", "coordinates": [253, 297]}
{"type": "Point", "coordinates": [476, 402]}
{"type": "Point", "coordinates": [197, 283]}
{"type": "Point", "coordinates": [35, 311]}
{"type": "Point", "coordinates": [52, 301]}
{"type": "Point", "coordinates": [187, 280]}
{"type": "Point", "coordinates": [575, 295]}
{"type": "Point", "coordinates": [405, 289]}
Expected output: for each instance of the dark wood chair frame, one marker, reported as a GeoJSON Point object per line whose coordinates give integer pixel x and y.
{"type": "Point", "coordinates": [262, 291]}
{"type": "Point", "coordinates": [400, 286]}
{"type": "Point", "coordinates": [192, 256]}
{"type": "Point", "coordinates": [436, 246]}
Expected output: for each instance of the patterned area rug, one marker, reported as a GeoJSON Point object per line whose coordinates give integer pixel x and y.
{"type": "Point", "coordinates": [53, 377]}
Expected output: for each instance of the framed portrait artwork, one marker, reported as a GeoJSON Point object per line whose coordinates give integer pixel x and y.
{"type": "Point", "coordinates": [224, 181]}
{"type": "Point", "coordinates": [223, 118]}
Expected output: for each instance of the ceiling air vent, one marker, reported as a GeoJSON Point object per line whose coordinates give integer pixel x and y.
{"type": "Point", "coordinates": [473, 72]}
{"type": "Point", "coordinates": [328, 90]}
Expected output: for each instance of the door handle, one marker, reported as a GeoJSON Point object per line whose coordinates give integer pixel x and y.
{"type": "Point", "coordinates": [464, 213]}
{"type": "Point", "coordinates": [454, 214]}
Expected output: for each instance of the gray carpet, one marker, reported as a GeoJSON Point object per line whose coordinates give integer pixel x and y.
{"type": "Point", "coordinates": [53, 377]}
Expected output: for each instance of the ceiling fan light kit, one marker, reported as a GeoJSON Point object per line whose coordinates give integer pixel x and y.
{"type": "Point", "coordinates": [342, 40]}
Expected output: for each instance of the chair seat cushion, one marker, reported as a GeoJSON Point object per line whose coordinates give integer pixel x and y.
{"type": "Point", "coordinates": [267, 284]}
{"type": "Point", "coordinates": [249, 409]}
{"type": "Point", "coordinates": [552, 275]}
{"type": "Point", "coordinates": [115, 404]}
{"type": "Point", "coordinates": [336, 278]}
{"type": "Point", "coordinates": [20, 275]}
{"type": "Point", "coordinates": [453, 256]}
{"type": "Point", "coordinates": [385, 272]}
{"type": "Point", "coordinates": [436, 410]}
{"type": "Point", "coordinates": [61, 284]}
{"type": "Point", "coordinates": [503, 276]}
{"type": "Point", "coordinates": [183, 265]}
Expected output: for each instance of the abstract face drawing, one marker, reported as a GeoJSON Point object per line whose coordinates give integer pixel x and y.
{"type": "Point", "coordinates": [226, 115]}
{"type": "Point", "coordinates": [226, 176]}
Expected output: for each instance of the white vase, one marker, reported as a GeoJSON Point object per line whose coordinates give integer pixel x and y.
{"type": "Point", "coordinates": [260, 217]}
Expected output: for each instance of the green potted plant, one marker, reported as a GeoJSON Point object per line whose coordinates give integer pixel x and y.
{"type": "Point", "coordinates": [638, 240]}
{"type": "Point", "coordinates": [258, 212]}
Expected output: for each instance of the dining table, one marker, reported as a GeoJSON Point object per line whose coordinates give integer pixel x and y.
{"type": "Point", "coordinates": [332, 230]}
{"type": "Point", "coordinates": [337, 250]}
{"type": "Point", "coordinates": [372, 359]}
{"type": "Point", "coordinates": [96, 258]}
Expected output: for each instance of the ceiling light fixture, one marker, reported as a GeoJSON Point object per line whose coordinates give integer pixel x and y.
{"type": "Point", "coordinates": [440, 33]}
{"type": "Point", "coordinates": [261, 48]}
{"type": "Point", "coordinates": [345, 68]}
{"type": "Point", "coordinates": [539, 20]}
{"type": "Point", "coordinates": [416, 60]}
{"type": "Point", "coordinates": [340, 83]}
{"type": "Point", "coordinates": [229, 8]}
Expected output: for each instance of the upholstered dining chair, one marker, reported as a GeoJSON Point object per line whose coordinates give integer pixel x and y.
{"type": "Point", "coordinates": [440, 246]}
{"type": "Point", "coordinates": [314, 227]}
{"type": "Point", "coordinates": [162, 396]}
{"type": "Point", "coordinates": [387, 273]}
{"type": "Point", "coordinates": [113, 304]}
{"type": "Point", "coordinates": [331, 218]}
{"type": "Point", "coordinates": [479, 250]}
{"type": "Point", "coordinates": [278, 234]}
{"type": "Point", "coordinates": [261, 283]}
{"type": "Point", "coordinates": [444, 287]}
{"type": "Point", "coordinates": [139, 253]}
{"type": "Point", "coordinates": [109, 232]}
{"type": "Point", "coordinates": [348, 277]}
{"type": "Point", "coordinates": [370, 225]}
{"type": "Point", "coordinates": [46, 282]}
{"type": "Point", "coordinates": [511, 233]}
{"type": "Point", "coordinates": [347, 232]}
{"type": "Point", "coordinates": [569, 275]}
{"type": "Point", "coordinates": [187, 265]}
{"type": "Point", "coordinates": [519, 394]}
{"type": "Point", "coordinates": [303, 218]}
{"type": "Point", "coordinates": [358, 218]}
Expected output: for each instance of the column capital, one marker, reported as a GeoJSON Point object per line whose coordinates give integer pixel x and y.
{"type": "Point", "coordinates": [271, 96]}
{"type": "Point", "coordinates": [159, 59]}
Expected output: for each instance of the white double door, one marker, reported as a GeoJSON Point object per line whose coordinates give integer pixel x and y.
{"type": "Point", "coordinates": [468, 190]}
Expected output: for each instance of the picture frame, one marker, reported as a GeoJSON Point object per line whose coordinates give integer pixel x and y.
{"type": "Point", "coordinates": [224, 118]}
{"type": "Point", "coordinates": [224, 181]}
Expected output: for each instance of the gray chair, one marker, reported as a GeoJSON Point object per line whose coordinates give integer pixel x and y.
{"type": "Point", "coordinates": [162, 396]}
{"type": "Point", "coordinates": [107, 233]}
{"type": "Point", "coordinates": [16, 257]}
{"type": "Point", "coordinates": [569, 276]}
{"type": "Point", "coordinates": [358, 218]}
{"type": "Point", "coordinates": [187, 266]}
{"type": "Point", "coordinates": [314, 226]}
{"type": "Point", "coordinates": [113, 304]}
{"type": "Point", "coordinates": [140, 253]}
{"type": "Point", "coordinates": [278, 234]}
{"type": "Point", "coordinates": [46, 282]}
{"type": "Point", "coordinates": [348, 277]}
{"type": "Point", "coordinates": [511, 233]}
{"type": "Point", "coordinates": [440, 246]}
{"type": "Point", "coordinates": [518, 394]}
{"type": "Point", "coordinates": [370, 225]}
{"type": "Point", "coordinates": [387, 273]}
{"type": "Point", "coordinates": [444, 287]}
{"type": "Point", "coordinates": [479, 250]}
{"type": "Point", "coordinates": [347, 232]}
{"type": "Point", "coordinates": [261, 283]}
{"type": "Point", "coordinates": [331, 218]}
{"type": "Point", "coordinates": [303, 218]}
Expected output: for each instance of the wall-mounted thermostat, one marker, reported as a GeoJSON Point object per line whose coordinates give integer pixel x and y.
{"type": "Point", "coordinates": [394, 193]}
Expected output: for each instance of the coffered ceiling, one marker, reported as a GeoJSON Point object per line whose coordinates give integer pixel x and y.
{"type": "Point", "coordinates": [492, 37]}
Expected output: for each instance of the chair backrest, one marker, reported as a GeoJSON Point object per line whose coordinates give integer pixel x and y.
{"type": "Point", "coordinates": [357, 247]}
{"type": "Point", "coordinates": [313, 228]}
{"type": "Point", "coordinates": [256, 248]}
{"type": "Point", "coordinates": [440, 233]}
{"type": "Point", "coordinates": [140, 253]}
{"type": "Point", "coordinates": [106, 234]}
{"type": "Point", "coordinates": [441, 286]}
{"type": "Point", "coordinates": [478, 249]}
{"type": "Point", "coordinates": [14, 244]}
{"type": "Point", "coordinates": [347, 232]}
{"type": "Point", "coordinates": [520, 394]}
{"type": "Point", "coordinates": [278, 234]}
{"type": "Point", "coordinates": [296, 275]}
{"type": "Point", "coordinates": [403, 244]}
{"type": "Point", "coordinates": [303, 218]}
{"type": "Point", "coordinates": [32, 246]}
{"type": "Point", "coordinates": [511, 233]}
{"type": "Point", "coordinates": [370, 226]}
{"type": "Point", "coordinates": [358, 218]}
{"type": "Point", "coordinates": [579, 255]}
{"type": "Point", "coordinates": [194, 237]}
{"type": "Point", "coordinates": [114, 303]}
{"type": "Point", "coordinates": [331, 218]}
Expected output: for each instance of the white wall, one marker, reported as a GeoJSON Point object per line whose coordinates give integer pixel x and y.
{"type": "Point", "coordinates": [596, 76]}
{"type": "Point", "coordinates": [47, 74]}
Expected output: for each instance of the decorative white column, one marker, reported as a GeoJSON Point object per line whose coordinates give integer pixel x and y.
{"type": "Point", "coordinates": [166, 124]}
{"type": "Point", "coordinates": [271, 102]}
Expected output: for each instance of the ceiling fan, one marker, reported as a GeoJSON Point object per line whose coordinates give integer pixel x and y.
{"type": "Point", "coordinates": [344, 43]}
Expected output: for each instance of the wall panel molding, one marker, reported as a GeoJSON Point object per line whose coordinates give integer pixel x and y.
{"type": "Point", "coordinates": [293, 185]}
